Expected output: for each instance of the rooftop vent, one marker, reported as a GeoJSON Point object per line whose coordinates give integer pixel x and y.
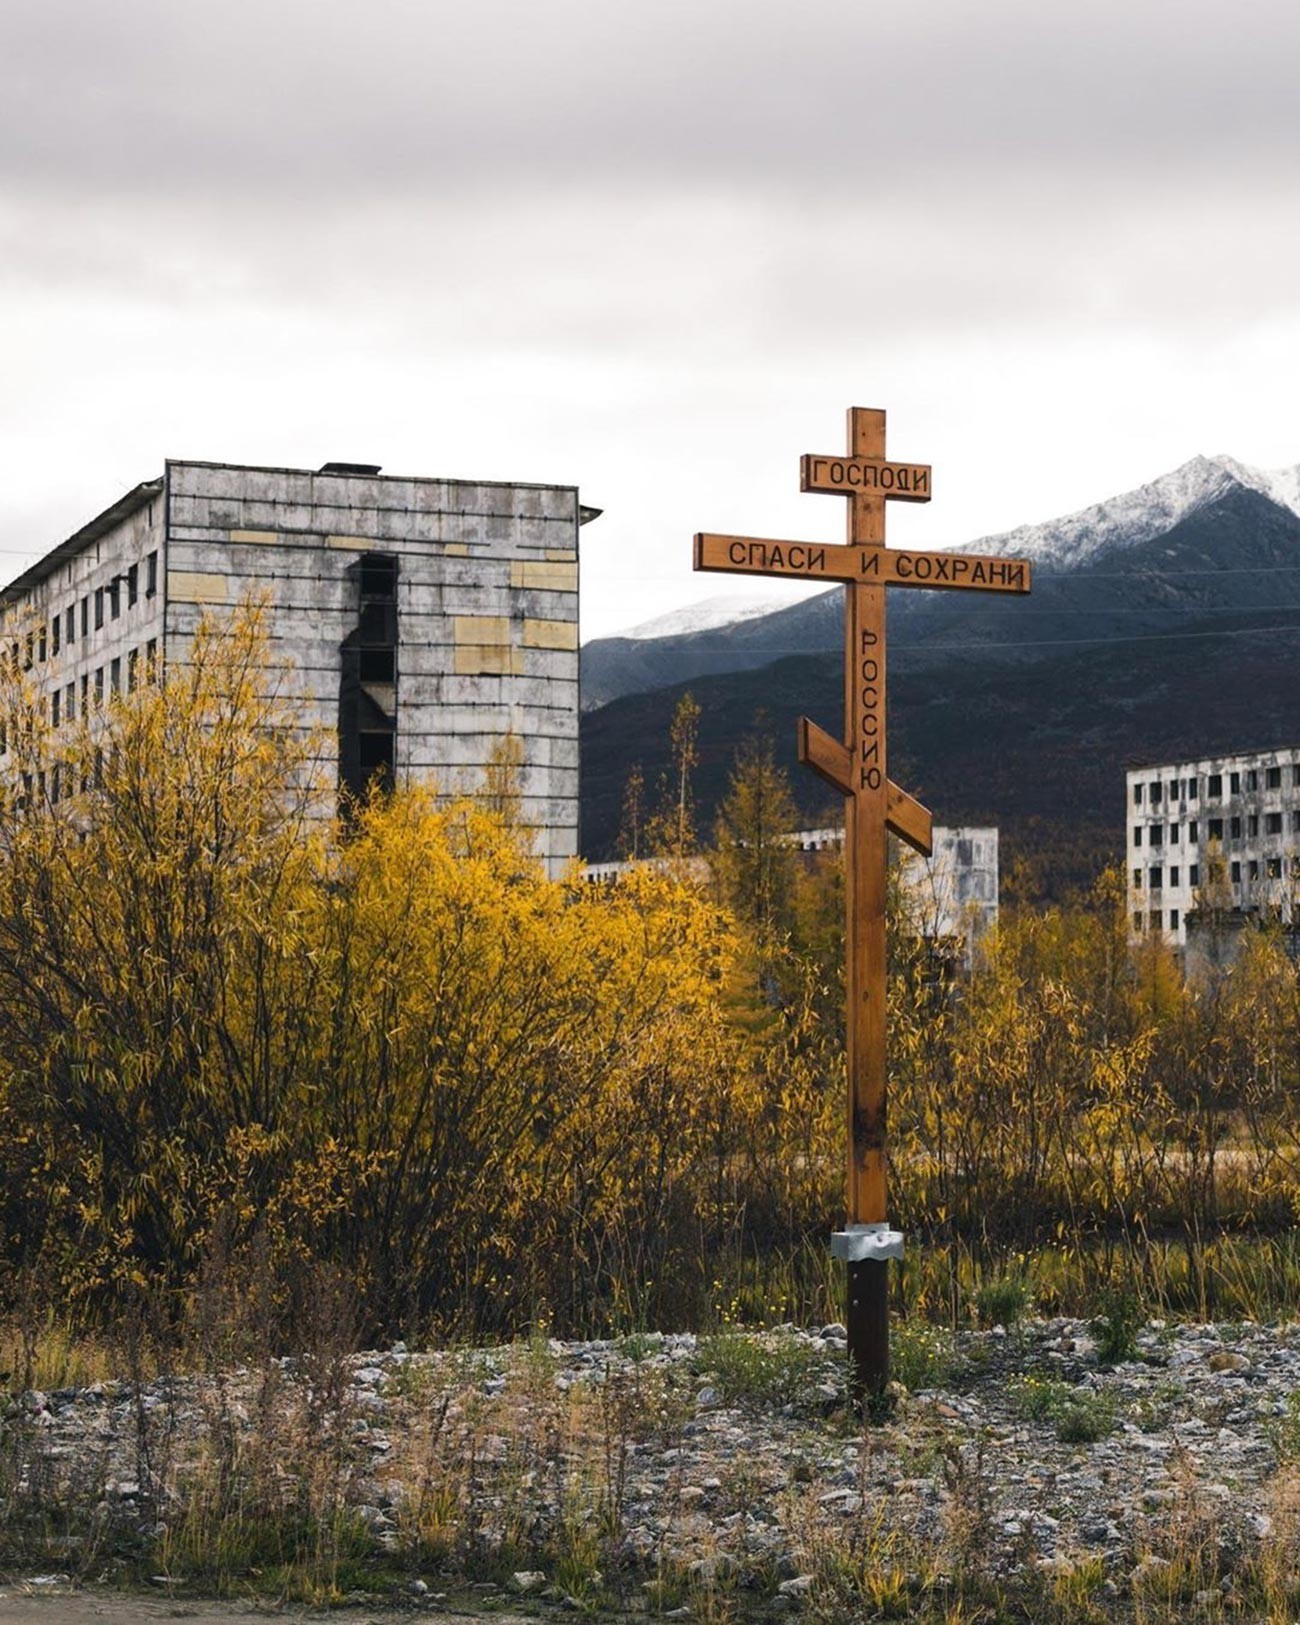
{"type": "Point", "coordinates": [349, 468]}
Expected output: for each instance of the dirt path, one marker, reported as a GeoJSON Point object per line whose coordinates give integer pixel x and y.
{"type": "Point", "coordinates": [20, 1606]}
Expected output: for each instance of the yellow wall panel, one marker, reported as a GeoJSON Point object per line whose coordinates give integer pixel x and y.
{"type": "Point", "coordinates": [194, 587]}
{"type": "Point", "coordinates": [481, 629]}
{"type": "Point", "coordinates": [550, 577]}
{"type": "Point", "coordinates": [487, 660]}
{"type": "Point", "coordinates": [550, 634]}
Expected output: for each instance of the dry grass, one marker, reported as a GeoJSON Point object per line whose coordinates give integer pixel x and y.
{"type": "Point", "coordinates": [534, 1476]}
{"type": "Point", "coordinates": [1184, 1553]}
{"type": "Point", "coordinates": [40, 1350]}
{"type": "Point", "coordinates": [1276, 1572]}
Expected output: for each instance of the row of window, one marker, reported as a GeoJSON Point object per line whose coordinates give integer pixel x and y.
{"type": "Point", "coordinates": [1155, 920]}
{"type": "Point", "coordinates": [1155, 791]}
{"type": "Point", "coordinates": [1253, 869]}
{"type": "Point", "coordinates": [1236, 828]}
{"type": "Point", "coordinates": [1156, 873]}
{"type": "Point", "coordinates": [46, 641]}
{"type": "Point", "coordinates": [60, 782]}
{"type": "Point", "coordinates": [139, 666]}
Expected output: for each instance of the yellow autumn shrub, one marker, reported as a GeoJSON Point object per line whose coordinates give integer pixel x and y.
{"type": "Point", "coordinates": [394, 1046]}
{"type": "Point", "coordinates": [255, 1057]}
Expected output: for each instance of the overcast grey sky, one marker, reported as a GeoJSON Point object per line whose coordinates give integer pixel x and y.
{"type": "Point", "coordinates": [652, 250]}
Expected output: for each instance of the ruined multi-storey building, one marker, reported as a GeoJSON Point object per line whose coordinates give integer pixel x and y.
{"type": "Point", "coordinates": [1221, 830]}
{"type": "Point", "coordinates": [952, 895]}
{"type": "Point", "coordinates": [423, 622]}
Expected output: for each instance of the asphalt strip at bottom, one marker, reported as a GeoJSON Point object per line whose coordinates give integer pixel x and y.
{"type": "Point", "coordinates": [23, 1607]}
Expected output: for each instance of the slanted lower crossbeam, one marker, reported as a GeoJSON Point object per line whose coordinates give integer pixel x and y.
{"type": "Point", "coordinates": [833, 762]}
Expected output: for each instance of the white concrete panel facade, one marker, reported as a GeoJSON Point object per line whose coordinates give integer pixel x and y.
{"type": "Point", "coordinates": [435, 617]}
{"type": "Point", "coordinates": [1239, 814]}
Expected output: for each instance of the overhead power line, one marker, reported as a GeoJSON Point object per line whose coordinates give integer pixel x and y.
{"type": "Point", "coordinates": [1001, 643]}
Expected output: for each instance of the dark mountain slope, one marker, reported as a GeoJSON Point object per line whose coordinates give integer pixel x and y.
{"type": "Point", "coordinates": [612, 667]}
{"type": "Point", "coordinates": [1238, 554]}
{"type": "Point", "coordinates": [1039, 750]}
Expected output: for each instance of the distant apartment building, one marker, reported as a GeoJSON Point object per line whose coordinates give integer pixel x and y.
{"type": "Point", "coordinates": [954, 892]}
{"type": "Point", "coordinates": [951, 894]}
{"type": "Point", "coordinates": [1223, 830]}
{"type": "Point", "coordinates": [424, 621]}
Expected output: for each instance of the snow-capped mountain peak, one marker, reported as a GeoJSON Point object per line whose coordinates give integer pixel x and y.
{"type": "Point", "coordinates": [701, 617]}
{"type": "Point", "coordinates": [1281, 485]}
{"type": "Point", "coordinates": [1121, 521]}
{"type": "Point", "coordinates": [1137, 516]}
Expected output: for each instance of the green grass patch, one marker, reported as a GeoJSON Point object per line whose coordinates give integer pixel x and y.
{"type": "Point", "coordinates": [920, 1354]}
{"type": "Point", "coordinates": [1077, 1415]}
{"type": "Point", "coordinates": [762, 1369]}
{"type": "Point", "coordinates": [1003, 1301]}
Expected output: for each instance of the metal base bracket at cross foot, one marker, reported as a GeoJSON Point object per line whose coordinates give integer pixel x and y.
{"type": "Point", "coordinates": [862, 1243]}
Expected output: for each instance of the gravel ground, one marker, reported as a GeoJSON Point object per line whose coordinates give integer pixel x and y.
{"type": "Point", "coordinates": [735, 1460]}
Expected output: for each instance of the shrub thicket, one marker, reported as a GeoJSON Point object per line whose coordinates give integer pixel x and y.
{"type": "Point", "coordinates": [247, 1050]}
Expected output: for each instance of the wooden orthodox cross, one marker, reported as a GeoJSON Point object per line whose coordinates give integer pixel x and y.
{"type": "Point", "coordinates": [873, 807]}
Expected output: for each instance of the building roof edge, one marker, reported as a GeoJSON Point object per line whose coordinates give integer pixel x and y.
{"type": "Point", "coordinates": [138, 497]}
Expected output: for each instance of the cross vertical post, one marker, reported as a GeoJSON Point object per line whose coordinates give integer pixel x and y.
{"type": "Point", "coordinates": [865, 878]}
{"type": "Point", "coordinates": [856, 767]}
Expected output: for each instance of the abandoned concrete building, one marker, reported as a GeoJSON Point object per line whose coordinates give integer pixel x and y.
{"type": "Point", "coordinates": [425, 621]}
{"type": "Point", "coordinates": [1221, 831]}
{"type": "Point", "coordinates": [952, 895]}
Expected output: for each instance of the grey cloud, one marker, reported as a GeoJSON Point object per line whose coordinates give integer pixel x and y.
{"type": "Point", "coordinates": [284, 231]}
{"type": "Point", "coordinates": [290, 99]}
{"type": "Point", "coordinates": [715, 271]}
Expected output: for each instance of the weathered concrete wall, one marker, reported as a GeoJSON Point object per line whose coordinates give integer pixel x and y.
{"type": "Point", "coordinates": [1244, 808]}
{"type": "Point", "coordinates": [954, 892]}
{"type": "Point", "coordinates": [94, 583]}
{"type": "Point", "coordinates": [487, 610]}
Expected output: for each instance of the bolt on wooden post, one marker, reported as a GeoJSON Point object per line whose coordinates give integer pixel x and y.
{"type": "Point", "coordinates": [874, 807]}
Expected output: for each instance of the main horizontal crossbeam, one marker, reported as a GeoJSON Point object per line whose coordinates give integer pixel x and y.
{"type": "Point", "coordinates": [883, 566]}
